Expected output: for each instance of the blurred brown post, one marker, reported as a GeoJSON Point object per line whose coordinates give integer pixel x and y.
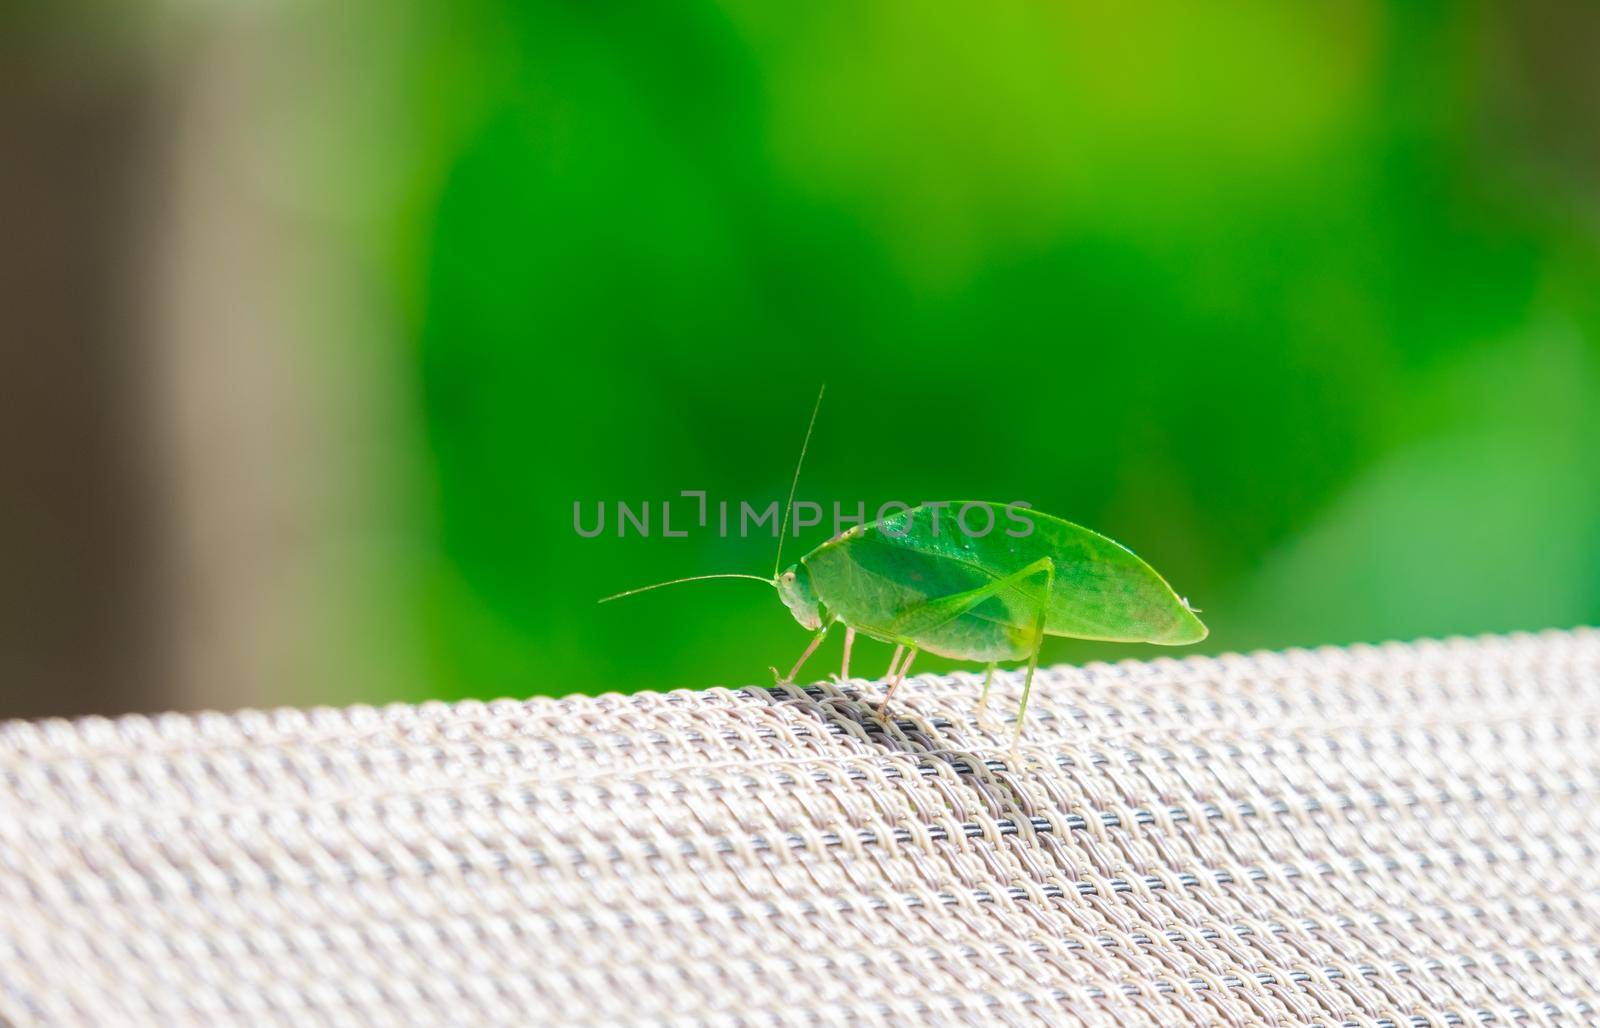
{"type": "Point", "coordinates": [80, 611]}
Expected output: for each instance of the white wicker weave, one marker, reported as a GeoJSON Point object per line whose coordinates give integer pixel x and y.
{"type": "Point", "coordinates": [1399, 835]}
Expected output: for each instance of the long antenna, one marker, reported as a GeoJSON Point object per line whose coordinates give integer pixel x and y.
{"type": "Point", "coordinates": [777, 565]}
{"type": "Point", "coordinates": [679, 581]}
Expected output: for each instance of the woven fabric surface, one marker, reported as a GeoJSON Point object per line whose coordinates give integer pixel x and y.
{"type": "Point", "coordinates": [1394, 835]}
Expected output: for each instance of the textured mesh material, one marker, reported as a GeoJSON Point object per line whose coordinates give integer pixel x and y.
{"type": "Point", "coordinates": [1401, 835]}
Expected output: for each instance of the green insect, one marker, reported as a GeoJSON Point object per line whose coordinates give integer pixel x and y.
{"type": "Point", "coordinates": [970, 580]}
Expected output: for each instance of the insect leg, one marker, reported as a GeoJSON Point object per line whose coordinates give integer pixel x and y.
{"type": "Point", "coordinates": [894, 662]}
{"type": "Point", "coordinates": [926, 617]}
{"type": "Point", "coordinates": [849, 641]}
{"type": "Point", "coordinates": [983, 698]}
{"type": "Point", "coordinates": [911, 655]}
{"type": "Point", "coordinates": [1038, 642]}
{"type": "Point", "coordinates": [816, 640]}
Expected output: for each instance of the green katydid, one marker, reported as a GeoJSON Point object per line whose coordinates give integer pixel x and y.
{"type": "Point", "coordinates": [925, 579]}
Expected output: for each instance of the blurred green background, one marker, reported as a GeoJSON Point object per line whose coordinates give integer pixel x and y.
{"type": "Point", "coordinates": [1301, 302]}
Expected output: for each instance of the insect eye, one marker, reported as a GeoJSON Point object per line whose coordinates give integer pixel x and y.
{"type": "Point", "coordinates": [788, 576]}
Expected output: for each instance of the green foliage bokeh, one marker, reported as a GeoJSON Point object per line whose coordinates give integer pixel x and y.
{"type": "Point", "coordinates": [1286, 298]}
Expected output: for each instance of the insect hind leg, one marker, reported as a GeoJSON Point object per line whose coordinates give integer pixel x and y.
{"type": "Point", "coordinates": [1038, 643]}
{"type": "Point", "coordinates": [930, 615]}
